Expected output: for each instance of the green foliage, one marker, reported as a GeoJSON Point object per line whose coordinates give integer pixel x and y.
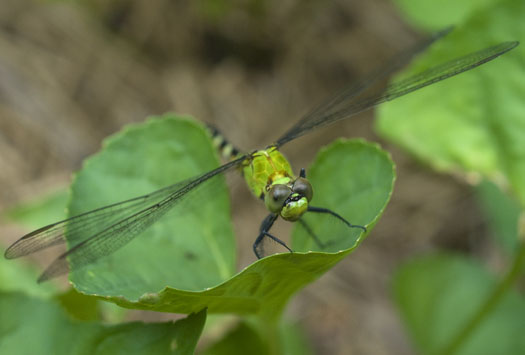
{"type": "Point", "coordinates": [184, 265]}
{"type": "Point", "coordinates": [439, 294]}
{"type": "Point", "coordinates": [19, 276]}
{"type": "Point", "coordinates": [353, 178]}
{"type": "Point", "coordinates": [154, 273]}
{"type": "Point", "coordinates": [178, 250]}
{"type": "Point", "coordinates": [474, 123]}
{"type": "Point", "coordinates": [435, 15]}
{"type": "Point", "coordinates": [237, 340]}
{"type": "Point", "coordinates": [244, 336]}
{"type": "Point", "coordinates": [34, 326]}
{"type": "Point", "coordinates": [502, 212]}
{"type": "Point", "coordinates": [474, 126]}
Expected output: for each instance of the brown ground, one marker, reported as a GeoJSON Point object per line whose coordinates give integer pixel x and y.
{"type": "Point", "coordinates": [71, 74]}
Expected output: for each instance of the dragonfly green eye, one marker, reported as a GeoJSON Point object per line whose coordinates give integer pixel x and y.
{"type": "Point", "coordinates": [276, 197]}
{"type": "Point", "coordinates": [303, 188]}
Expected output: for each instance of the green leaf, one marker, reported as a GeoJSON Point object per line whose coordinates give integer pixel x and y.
{"type": "Point", "coordinates": [79, 306]}
{"type": "Point", "coordinates": [34, 326]}
{"type": "Point", "coordinates": [473, 124]}
{"type": "Point", "coordinates": [237, 340]}
{"type": "Point", "coordinates": [434, 15]}
{"type": "Point", "coordinates": [438, 294]}
{"type": "Point", "coordinates": [244, 336]}
{"type": "Point", "coordinates": [502, 212]}
{"type": "Point", "coordinates": [154, 273]}
{"type": "Point", "coordinates": [192, 247]}
{"type": "Point", "coordinates": [354, 179]}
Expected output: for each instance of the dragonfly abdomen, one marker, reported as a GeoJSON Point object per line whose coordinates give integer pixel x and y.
{"type": "Point", "coordinates": [261, 168]}
{"type": "Point", "coordinates": [227, 150]}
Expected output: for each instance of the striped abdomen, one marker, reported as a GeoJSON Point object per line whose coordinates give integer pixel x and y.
{"type": "Point", "coordinates": [227, 150]}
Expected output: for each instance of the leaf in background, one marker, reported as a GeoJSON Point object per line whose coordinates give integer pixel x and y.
{"type": "Point", "coordinates": [19, 275]}
{"type": "Point", "coordinates": [438, 294]}
{"type": "Point", "coordinates": [79, 306]}
{"type": "Point", "coordinates": [34, 326]}
{"type": "Point", "coordinates": [243, 336]}
{"type": "Point", "coordinates": [434, 15]}
{"type": "Point", "coordinates": [502, 213]}
{"type": "Point", "coordinates": [237, 341]}
{"type": "Point", "coordinates": [363, 188]}
{"type": "Point", "coordinates": [294, 339]}
{"type": "Point", "coordinates": [474, 123]}
{"type": "Point", "coordinates": [41, 211]}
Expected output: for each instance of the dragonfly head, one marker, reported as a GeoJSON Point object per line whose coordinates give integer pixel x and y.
{"type": "Point", "coordinates": [289, 200]}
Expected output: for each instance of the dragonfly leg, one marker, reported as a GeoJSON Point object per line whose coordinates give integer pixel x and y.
{"type": "Point", "coordinates": [264, 232]}
{"type": "Point", "coordinates": [326, 210]}
{"type": "Point", "coordinates": [302, 173]}
{"type": "Point", "coordinates": [265, 227]}
{"type": "Point", "coordinates": [312, 234]}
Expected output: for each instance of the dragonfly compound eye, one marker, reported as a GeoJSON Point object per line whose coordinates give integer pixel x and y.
{"type": "Point", "coordinates": [303, 188]}
{"type": "Point", "coordinates": [276, 197]}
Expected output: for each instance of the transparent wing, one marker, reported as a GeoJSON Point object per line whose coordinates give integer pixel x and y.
{"type": "Point", "coordinates": [101, 232]}
{"type": "Point", "coordinates": [79, 227]}
{"type": "Point", "coordinates": [344, 104]}
{"type": "Point", "coordinates": [392, 65]}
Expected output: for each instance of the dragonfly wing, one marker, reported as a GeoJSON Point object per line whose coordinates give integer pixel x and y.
{"type": "Point", "coordinates": [351, 101]}
{"type": "Point", "coordinates": [133, 217]}
{"type": "Point", "coordinates": [82, 226]}
{"type": "Point", "coordinates": [416, 82]}
{"type": "Point", "coordinates": [394, 64]}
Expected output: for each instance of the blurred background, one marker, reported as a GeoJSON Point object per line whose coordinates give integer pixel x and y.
{"type": "Point", "coordinates": [73, 73]}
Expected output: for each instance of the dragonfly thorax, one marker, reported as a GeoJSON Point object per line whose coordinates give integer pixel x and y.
{"type": "Point", "coordinates": [269, 176]}
{"type": "Point", "coordinates": [264, 168]}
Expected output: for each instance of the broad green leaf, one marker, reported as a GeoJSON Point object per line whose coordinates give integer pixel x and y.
{"type": "Point", "coordinates": [354, 179]}
{"type": "Point", "coordinates": [434, 15]}
{"type": "Point", "coordinates": [41, 211]}
{"type": "Point", "coordinates": [438, 294]}
{"type": "Point", "coordinates": [474, 123]}
{"type": "Point", "coordinates": [192, 247]}
{"type": "Point", "coordinates": [502, 212]}
{"type": "Point", "coordinates": [34, 326]}
{"type": "Point", "coordinates": [154, 272]}
{"type": "Point", "coordinates": [263, 288]}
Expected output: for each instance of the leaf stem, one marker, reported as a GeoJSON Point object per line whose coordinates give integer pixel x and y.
{"type": "Point", "coordinates": [491, 302]}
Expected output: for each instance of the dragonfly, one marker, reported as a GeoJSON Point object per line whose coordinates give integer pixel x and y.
{"type": "Point", "coordinates": [268, 174]}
